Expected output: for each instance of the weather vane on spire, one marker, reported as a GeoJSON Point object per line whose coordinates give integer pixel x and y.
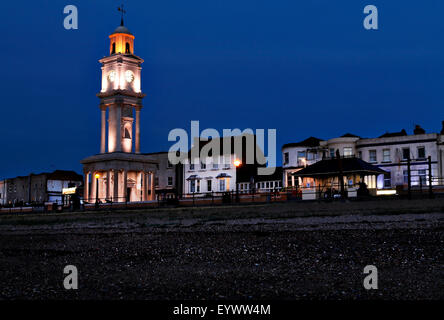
{"type": "Point", "coordinates": [123, 12]}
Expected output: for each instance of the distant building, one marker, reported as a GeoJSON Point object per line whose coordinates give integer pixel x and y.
{"type": "Point", "coordinates": [168, 182]}
{"type": "Point", "coordinates": [226, 170]}
{"type": "Point", "coordinates": [260, 183]}
{"type": "Point", "coordinates": [389, 152]}
{"type": "Point", "coordinates": [38, 188]}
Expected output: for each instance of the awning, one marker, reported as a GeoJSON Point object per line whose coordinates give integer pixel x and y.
{"type": "Point", "coordinates": [331, 167]}
{"type": "Point", "coordinates": [194, 177]}
{"type": "Point", "coordinates": [222, 176]}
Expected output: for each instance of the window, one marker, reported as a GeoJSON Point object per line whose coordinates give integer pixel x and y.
{"type": "Point", "coordinates": [268, 185]}
{"type": "Point", "coordinates": [191, 166]}
{"type": "Point", "coordinates": [387, 180]}
{"type": "Point", "coordinates": [405, 153]}
{"type": "Point", "coordinates": [360, 154]}
{"type": "Point", "coordinates": [198, 186]}
{"type": "Point", "coordinates": [222, 184]}
{"type": "Point", "coordinates": [127, 135]}
{"type": "Point", "coordinates": [156, 181]}
{"type": "Point", "coordinates": [386, 155]}
{"type": "Point", "coordinates": [348, 152]}
{"type": "Point", "coordinates": [301, 154]}
{"type": "Point", "coordinates": [215, 165]}
{"type": "Point", "coordinates": [170, 181]}
{"type": "Point", "coordinates": [289, 180]}
{"type": "Point", "coordinates": [127, 48]}
{"type": "Point", "coordinates": [332, 153]}
{"type": "Point", "coordinates": [169, 164]}
{"type": "Point", "coordinates": [192, 186]}
{"type": "Point", "coordinates": [286, 158]}
{"type": "Point", "coordinates": [209, 185]}
{"type": "Point", "coordinates": [310, 155]}
{"type": "Point", "coordinates": [406, 177]}
{"type": "Point", "coordinates": [421, 153]}
{"type": "Point", "coordinates": [372, 156]}
{"type": "Point", "coordinates": [113, 50]}
{"type": "Point", "coordinates": [203, 166]}
{"type": "Point", "coordinates": [422, 177]}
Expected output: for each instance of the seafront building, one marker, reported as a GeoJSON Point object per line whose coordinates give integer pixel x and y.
{"type": "Point", "coordinates": [391, 152]}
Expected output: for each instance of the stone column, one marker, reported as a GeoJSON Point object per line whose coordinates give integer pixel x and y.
{"type": "Point", "coordinates": [145, 186]}
{"type": "Point", "coordinates": [103, 132]}
{"type": "Point", "coordinates": [86, 186]}
{"type": "Point", "coordinates": [108, 183]}
{"type": "Point", "coordinates": [152, 185]}
{"type": "Point", "coordinates": [125, 184]}
{"type": "Point", "coordinates": [118, 127]}
{"type": "Point", "coordinates": [93, 186]}
{"type": "Point", "coordinates": [137, 140]}
{"type": "Point", "coordinates": [116, 186]}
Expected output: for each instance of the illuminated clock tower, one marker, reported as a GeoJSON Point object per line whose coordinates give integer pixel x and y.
{"type": "Point", "coordinates": [120, 173]}
{"type": "Point", "coordinates": [121, 96]}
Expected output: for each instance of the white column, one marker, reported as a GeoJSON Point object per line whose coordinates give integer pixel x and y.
{"type": "Point", "coordinates": [152, 185]}
{"type": "Point", "coordinates": [118, 125]}
{"type": "Point", "coordinates": [125, 185]}
{"type": "Point", "coordinates": [86, 186]}
{"type": "Point", "coordinates": [108, 183]}
{"type": "Point", "coordinates": [93, 186]}
{"type": "Point", "coordinates": [116, 186]}
{"type": "Point", "coordinates": [137, 141]}
{"type": "Point", "coordinates": [103, 131]}
{"type": "Point", "coordinates": [145, 186]}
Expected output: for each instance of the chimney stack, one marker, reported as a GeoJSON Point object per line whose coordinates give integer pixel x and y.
{"type": "Point", "coordinates": [418, 130]}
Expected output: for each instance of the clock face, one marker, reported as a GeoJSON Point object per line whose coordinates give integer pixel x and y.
{"type": "Point", "coordinates": [112, 76]}
{"type": "Point", "coordinates": [129, 76]}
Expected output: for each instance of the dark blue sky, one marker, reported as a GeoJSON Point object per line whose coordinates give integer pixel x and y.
{"type": "Point", "coordinates": [302, 67]}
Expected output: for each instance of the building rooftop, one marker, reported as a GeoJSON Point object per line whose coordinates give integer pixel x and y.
{"type": "Point", "coordinates": [309, 142]}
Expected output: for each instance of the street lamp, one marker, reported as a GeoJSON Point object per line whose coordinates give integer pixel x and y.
{"type": "Point", "coordinates": [237, 163]}
{"type": "Point", "coordinates": [97, 176]}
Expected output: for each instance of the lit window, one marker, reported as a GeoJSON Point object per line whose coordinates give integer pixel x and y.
{"type": "Point", "coordinates": [348, 152]}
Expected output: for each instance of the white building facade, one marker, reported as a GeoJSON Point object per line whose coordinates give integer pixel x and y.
{"type": "Point", "coordinates": [390, 152]}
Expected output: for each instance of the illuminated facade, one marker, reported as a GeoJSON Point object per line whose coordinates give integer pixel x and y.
{"type": "Point", "coordinates": [388, 152]}
{"type": "Point", "coordinates": [120, 173]}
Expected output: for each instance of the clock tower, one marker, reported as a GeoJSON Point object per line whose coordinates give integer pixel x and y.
{"type": "Point", "coordinates": [120, 173]}
{"type": "Point", "coordinates": [121, 95]}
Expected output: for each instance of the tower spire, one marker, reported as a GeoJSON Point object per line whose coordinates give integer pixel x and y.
{"type": "Point", "coordinates": [122, 11]}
